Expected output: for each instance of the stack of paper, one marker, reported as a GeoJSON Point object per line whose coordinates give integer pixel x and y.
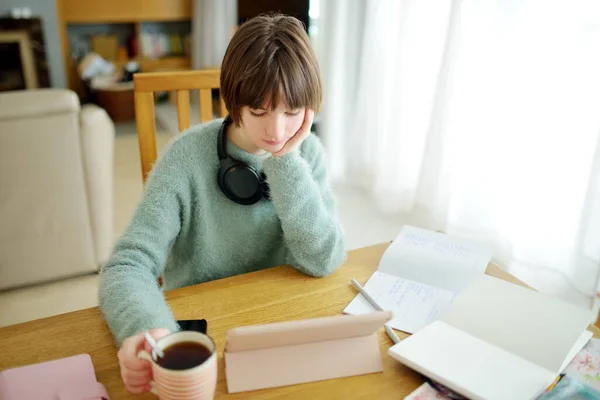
{"type": "Point", "coordinates": [419, 276]}
{"type": "Point", "coordinates": [498, 340]}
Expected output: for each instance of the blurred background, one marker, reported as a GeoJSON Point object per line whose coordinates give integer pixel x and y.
{"type": "Point", "coordinates": [477, 118]}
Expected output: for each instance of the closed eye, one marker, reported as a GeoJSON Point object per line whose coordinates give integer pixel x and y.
{"type": "Point", "coordinates": [254, 114]}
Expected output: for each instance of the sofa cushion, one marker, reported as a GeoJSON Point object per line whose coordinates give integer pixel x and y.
{"type": "Point", "coordinates": [45, 231]}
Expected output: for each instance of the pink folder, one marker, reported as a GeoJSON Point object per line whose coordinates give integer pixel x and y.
{"type": "Point", "coordinates": [71, 378]}
{"type": "Point", "coordinates": [286, 353]}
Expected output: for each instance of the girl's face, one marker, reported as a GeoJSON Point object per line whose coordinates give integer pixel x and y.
{"type": "Point", "coordinates": [269, 130]}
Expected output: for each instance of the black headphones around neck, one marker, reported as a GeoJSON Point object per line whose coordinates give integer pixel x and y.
{"type": "Point", "coordinates": [238, 180]}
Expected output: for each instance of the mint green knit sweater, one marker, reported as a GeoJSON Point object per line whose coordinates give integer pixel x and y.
{"type": "Point", "coordinates": [185, 228]}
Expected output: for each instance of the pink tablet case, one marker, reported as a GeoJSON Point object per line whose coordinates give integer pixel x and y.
{"type": "Point", "coordinates": [286, 353]}
{"type": "Point", "coordinates": [71, 378]}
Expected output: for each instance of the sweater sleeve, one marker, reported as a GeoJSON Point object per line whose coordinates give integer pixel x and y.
{"type": "Point", "coordinates": [300, 191]}
{"type": "Point", "coordinates": [129, 295]}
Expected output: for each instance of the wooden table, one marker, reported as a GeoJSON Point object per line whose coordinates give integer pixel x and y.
{"type": "Point", "coordinates": [276, 294]}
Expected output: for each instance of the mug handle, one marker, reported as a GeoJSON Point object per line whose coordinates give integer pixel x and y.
{"type": "Point", "coordinates": [144, 355]}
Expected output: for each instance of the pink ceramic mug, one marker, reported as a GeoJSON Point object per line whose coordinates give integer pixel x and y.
{"type": "Point", "coordinates": [197, 383]}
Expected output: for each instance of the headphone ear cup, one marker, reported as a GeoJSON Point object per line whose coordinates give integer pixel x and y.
{"type": "Point", "coordinates": [224, 166]}
{"type": "Point", "coordinates": [240, 182]}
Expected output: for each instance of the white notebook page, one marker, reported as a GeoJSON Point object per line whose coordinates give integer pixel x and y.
{"type": "Point", "coordinates": [529, 324]}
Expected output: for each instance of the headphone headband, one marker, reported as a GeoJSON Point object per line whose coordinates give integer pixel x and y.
{"type": "Point", "coordinates": [240, 182]}
{"type": "Point", "coordinates": [222, 139]}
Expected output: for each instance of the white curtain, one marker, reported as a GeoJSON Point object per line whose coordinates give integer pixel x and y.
{"type": "Point", "coordinates": [480, 118]}
{"type": "Point", "coordinates": [213, 24]}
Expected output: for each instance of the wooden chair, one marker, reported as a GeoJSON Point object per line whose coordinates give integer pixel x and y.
{"type": "Point", "coordinates": [146, 84]}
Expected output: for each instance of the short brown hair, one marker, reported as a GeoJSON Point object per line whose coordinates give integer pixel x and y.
{"type": "Point", "coordinates": [270, 56]}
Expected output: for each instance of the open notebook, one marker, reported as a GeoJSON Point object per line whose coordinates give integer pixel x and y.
{"type": "Point", "coordinates": [419, 275]}
{"type": "Point", "coordinates": [498, 340]}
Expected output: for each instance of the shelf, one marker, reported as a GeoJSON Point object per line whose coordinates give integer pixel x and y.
{"type": "Point", "coordinates": [151, 64]}
{"type": "Point", "coordinates": [77, 18]}
{"type": "Point", "coordinates": [115, 11]}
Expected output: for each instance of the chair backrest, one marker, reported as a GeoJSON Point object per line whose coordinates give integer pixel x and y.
{"type": "Point", "coordinates": [181, 82]}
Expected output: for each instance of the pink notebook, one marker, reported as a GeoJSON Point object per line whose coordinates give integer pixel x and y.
{"type": "Point", "coordinates": [71, 378]}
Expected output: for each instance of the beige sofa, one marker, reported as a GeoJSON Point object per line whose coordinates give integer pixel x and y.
{"type": "Point", "coordinates": [56, 187]}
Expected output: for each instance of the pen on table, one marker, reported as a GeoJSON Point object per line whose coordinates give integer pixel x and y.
{"type": "Point", "coordinates": [371, 300]}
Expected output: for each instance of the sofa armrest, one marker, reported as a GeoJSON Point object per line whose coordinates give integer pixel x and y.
{"type": "Point", "coordinates": [37, 103]}
{"type": "Point", "coordinates": [97, 147]}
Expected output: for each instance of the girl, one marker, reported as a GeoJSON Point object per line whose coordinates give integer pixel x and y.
{"type": "Point", "coordinates": [230, 196]}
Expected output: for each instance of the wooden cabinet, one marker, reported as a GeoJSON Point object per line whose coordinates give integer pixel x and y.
{"type": "Point", "coordinates": [140, 12]}
{"type": "Point", "coordinates": [133, 12]}
{"type": "Point", "coordinates": [101, 11]}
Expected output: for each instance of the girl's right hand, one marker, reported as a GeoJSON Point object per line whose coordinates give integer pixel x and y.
{"type": "Point", "coordinates": [136, 372]}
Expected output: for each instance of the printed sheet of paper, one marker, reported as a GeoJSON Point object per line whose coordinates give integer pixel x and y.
{"type": "Point", "coordinates": [419, 275]}
{"type": "Point", "coordinates": [414, 304]}
{"type": "Point", "coordinates": [434, 258]}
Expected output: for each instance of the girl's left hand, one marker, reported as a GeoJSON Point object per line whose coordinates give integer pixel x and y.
{"type": "Point", "coordinates": [296, 140]}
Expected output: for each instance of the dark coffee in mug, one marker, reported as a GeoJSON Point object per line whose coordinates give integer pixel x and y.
{"type": "Point", "coordinates": [183, 355]}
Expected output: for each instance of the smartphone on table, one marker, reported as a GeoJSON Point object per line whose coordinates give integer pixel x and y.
{"type": "Point", "coordinates": [198, 325]}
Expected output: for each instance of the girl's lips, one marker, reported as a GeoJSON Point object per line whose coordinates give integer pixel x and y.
{"type": "Point", "coordinates": [274, 142]}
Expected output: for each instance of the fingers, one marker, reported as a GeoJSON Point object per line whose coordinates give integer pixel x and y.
{"type": "Point", "coordinates": [136, 372]}
{"type": "Point", "coordinates": [137, 378]}
{"type": "Point", "coordinates": [159, 333]}
{"type": "Point", "coordinates": [309, 117]}
{"type": "Point", "coordinates": [138, 389]}
{"type": "Point", "coordinates": [136, 382]}
{"type": "Point", "coordinates": [127, 355]}
{"type": "Point", "coordinates": [304, 130]}
{"type": "Point", "coordinates": [293, 143]}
